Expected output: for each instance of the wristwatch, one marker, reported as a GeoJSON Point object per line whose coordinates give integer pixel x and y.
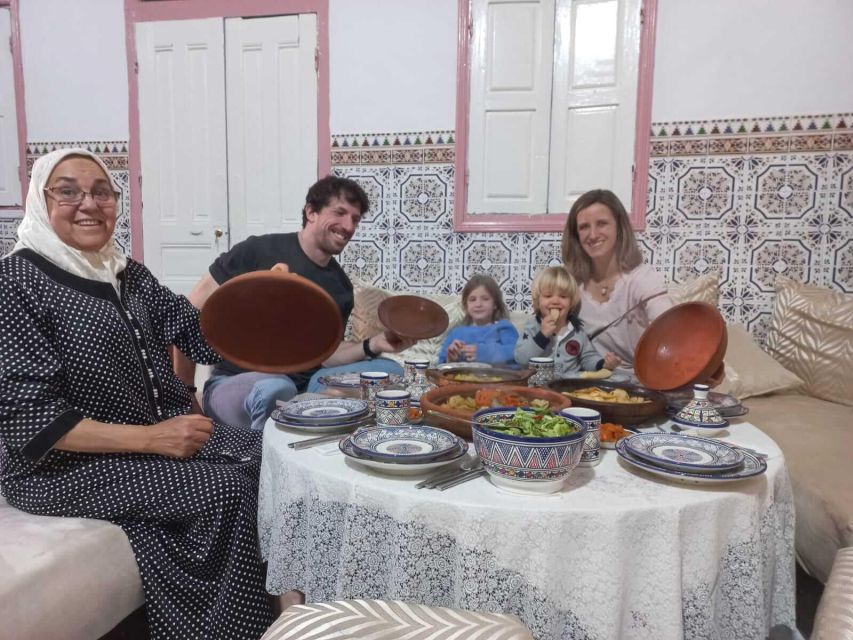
{"type": "Point", "coordinates": [370, 355]}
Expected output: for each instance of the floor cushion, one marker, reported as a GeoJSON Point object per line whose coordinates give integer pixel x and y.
{"type": "Point", "coordinates": [68, 578]}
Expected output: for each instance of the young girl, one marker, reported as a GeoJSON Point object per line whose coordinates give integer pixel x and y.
{"type": "Point", "coordinates": [555, 330]}
{"type": "Point", "coordinates": [486, 335]}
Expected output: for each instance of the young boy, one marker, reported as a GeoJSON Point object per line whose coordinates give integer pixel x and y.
{"type": "Point", "coordinates": [555, 330]}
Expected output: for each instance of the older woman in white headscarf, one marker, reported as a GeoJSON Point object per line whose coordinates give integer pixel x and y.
{"type": "Point", "coordinates": [93, 421]}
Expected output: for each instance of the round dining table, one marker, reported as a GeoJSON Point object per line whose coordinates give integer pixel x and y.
{"type": "Point", "coordinates": [618, 553]}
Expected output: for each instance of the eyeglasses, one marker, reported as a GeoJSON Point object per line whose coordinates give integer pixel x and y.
{"type": "Point", "coordinates": [73, 195]}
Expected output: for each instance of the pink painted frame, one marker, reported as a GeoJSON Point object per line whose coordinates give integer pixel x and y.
{"type": "Point", "coordinates": [462, 221]}
{"type": "Point", "coordinates": [20, 103]}
{"type": "Point", "coordinates": [142, 11]}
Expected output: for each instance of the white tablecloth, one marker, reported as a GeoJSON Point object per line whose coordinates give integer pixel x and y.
{"type": "Point", "coordinates": [617, 554]}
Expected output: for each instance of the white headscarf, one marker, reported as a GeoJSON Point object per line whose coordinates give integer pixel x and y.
{"type": "Point", "coordinates": [36, 233]}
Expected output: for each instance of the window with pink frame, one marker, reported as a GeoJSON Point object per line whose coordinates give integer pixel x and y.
{"type": "Point", "coordinates": [490, 221]}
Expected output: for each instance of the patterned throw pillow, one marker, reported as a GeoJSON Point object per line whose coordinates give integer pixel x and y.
{"type": "Point", "coordinates": [811, 334]}
{"type": "Point", "coordinates": [702, 289]}
{"type": "Point", "coordinates": [364, 320]}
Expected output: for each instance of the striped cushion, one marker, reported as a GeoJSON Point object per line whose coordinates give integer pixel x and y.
{"type": "Point", "coordinates": [391, 620]}
{"type": "Point", "coordinates": [834, 618]}
{"type": "Point", "coordinates": [811, 335]}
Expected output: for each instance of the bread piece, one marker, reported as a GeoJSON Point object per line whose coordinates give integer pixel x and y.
{"type": "Point", "coordinates": [601, 374]}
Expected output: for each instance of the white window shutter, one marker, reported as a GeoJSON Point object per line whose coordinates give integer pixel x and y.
{"type": "Point", "coordinates": [595, 97]}
{"type": "Point", "coordinates": [510, 103]}
{"type": "Point", "coordinates": [10, 182]}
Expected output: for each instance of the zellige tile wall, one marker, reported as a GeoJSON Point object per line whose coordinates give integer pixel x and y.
{"type": "Point", "coordinates": [749, 198]}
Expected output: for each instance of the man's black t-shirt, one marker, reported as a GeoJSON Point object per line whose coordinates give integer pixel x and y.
{"type": "Point", "coordinates": [260, 253]}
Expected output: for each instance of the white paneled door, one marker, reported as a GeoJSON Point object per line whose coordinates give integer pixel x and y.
{"type": "Point", "coordinates": [10, 181]}
{"type": "Point", "coordinates": [228, 135]}
{"type": "Point", "coordinates": [272, 121]}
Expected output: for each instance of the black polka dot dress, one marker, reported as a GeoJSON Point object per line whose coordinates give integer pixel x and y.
{"type": "Point", "coordinates": [72, 348]}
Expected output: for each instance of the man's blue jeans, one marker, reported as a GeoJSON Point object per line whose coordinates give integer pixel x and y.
{"type": "Point", "coordinates": [248, 399]}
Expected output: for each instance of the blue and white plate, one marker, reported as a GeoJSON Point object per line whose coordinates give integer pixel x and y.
{"type": "Point", "coordinates": [752, 466]}
{"type": "Point", "coordinates": [352, 380]}
{"type": "Point", "coordinates": [397, 467]}
{"type": "Point", "coordinates": [315, 428]}
{"type": "Point", "coordinates": [420, 443]}
{"type": "Point", "coordinates": [324, 410]}
{"type": "Point", "coordinates": [684, 453]}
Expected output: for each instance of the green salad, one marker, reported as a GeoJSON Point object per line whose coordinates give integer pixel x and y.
{"type": "Point", "coordinates": [534, 424]}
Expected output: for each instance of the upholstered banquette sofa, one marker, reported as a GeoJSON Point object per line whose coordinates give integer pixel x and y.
{"type": "Point", "coordinates": [76, 579]}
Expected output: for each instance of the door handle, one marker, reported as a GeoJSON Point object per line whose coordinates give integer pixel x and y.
{"type": "Point", "coordinates": [218, 233]}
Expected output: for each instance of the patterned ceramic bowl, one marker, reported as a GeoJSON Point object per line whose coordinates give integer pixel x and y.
{"type": "Point", "coordinates": [522, 463]}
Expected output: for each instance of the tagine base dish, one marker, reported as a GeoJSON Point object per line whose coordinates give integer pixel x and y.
{"type": "Point", "coordinates": [391, 468]}
{"type": "Point", "coordinates": [408, 442]}
{"type": "Point", "coordinates": [684, 453]}
{"type": "Point", "coordinates": [752, 466]}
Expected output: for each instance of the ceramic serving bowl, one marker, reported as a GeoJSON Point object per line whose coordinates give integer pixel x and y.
{"type": "Point", "coordinates": [683, 345]}
{"type": "Point", "coordinates": [525, 464]}
{"type": "Point", "coordinates": [432, 404]}
{"type": "Point", "coordinates": [479, 376]}
{"type": "Point", "coordinates": [619, 412]}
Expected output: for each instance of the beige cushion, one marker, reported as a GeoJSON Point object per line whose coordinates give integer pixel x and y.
{"type": "Point", "coordinates": [391, 620]}
{"type": "Point", "coordinates": [67, 578]}
{"type": "Point", "coordinates": [750, 371]}
{"type": "Point", "coordinates": [365, 320]}
{"type": "Point", "coordinates": [834, 618]}
{"type": "Point", "coordinates": [702, 289]}
{"type": "Point", "coordinates": [811, 334]}
{"type": "Point", "coordinates": [817, 439]}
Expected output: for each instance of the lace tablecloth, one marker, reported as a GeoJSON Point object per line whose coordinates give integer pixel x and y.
{"type": "Point", "coordinates": [617, 554]}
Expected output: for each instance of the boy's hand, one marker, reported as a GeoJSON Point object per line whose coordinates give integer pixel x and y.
{"type": "Point", "coordinates": [611, 360]}
{"type": "Point", "coordinates": [453, 350]}
{"type": "Point", "coordinates": [550, 322]}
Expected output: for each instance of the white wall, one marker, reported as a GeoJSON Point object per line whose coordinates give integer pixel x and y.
{"type": "Point", "coordinates": [393, 65]}
{"type": "Point", "coordinates": [75, 70]}
{"type": "Point", "coordinates": [752, 58]}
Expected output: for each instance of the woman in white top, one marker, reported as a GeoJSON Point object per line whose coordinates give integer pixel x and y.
{"type": "Point", "coordinates": [601, 252]}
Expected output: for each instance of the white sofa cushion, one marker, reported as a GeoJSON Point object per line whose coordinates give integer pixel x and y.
{"type": "Point", "coordinates": [68, 578]}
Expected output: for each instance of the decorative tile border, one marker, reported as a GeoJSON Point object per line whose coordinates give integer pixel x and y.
{"type": "Point", "coordinates": [424, 147]}
{"type": "Point", "coordinates": [742, 136]}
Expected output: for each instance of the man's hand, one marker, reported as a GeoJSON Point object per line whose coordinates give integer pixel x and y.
{"type": "Point", "coordinates": [390, 343]}
{"type": "Point", "coordinates": [453, 350]}
{"type": "Point", "coordinates": [179, 437]}
{"type": "Point", "coordinates": [280, 266]}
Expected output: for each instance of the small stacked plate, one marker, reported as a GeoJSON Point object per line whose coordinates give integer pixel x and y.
{"type": "Point", "coordinates": [352, 380]}
{"type": "Point", "coordinates": [689, 459]}
{"type": "Point", "coordinates": [403, 449]}
{"type": "Point", "coordinates": [324, 415]}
